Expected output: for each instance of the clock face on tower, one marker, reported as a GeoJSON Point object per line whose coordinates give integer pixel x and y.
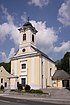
{"type": "Point", "coordinates": [23, 50]}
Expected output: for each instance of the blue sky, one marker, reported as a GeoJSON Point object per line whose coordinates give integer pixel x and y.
{"type": "Point", "coordinates": [50, 17]}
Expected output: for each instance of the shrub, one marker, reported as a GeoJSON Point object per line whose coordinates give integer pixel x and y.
{"type": "Point", "coordinates": [27, 88]}
{"type": "Point", "coordinates": [36, 91]}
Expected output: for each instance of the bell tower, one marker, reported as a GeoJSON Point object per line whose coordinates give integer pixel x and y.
{"type": "Point", "coordinates": [27, 37]}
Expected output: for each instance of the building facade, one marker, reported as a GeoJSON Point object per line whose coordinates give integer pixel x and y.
{"type": "Point", "coordinates": [61, 79]}
{"type": "Point", "coordinates": [4, 81]}
{"type": "Point", "coordinates": [29, 65]}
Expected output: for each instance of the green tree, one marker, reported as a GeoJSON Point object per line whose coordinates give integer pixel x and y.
{"type": "Point", "coordinates": [7, 66]}
{"type": "Point", "coordinates": [64, 62]}
{"type": "Point", "coordinates": [58, 64]}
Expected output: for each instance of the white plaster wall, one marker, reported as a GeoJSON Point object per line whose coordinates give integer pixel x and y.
{"type": "Point", "coordinates": [13, 83]}
{"type": "Point", "coordinates": [32, 72]}
{"type": "Point", "coordinates": [44, 72]}
{"type": "Point", "coordinates": [49, 79]}
{"type": "Point", "coordinates": [15, 67]}
{"type": "Point", "coordinates": [40, 72]}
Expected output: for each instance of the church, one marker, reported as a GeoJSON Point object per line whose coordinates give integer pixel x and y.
{"type": "Point", "coordinates": [30, 65]}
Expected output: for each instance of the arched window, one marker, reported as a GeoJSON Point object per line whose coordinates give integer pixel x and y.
{"type": "Point", "coordinates": [32, 38]}
{"type": "Point", "coordinates": [24, 37]}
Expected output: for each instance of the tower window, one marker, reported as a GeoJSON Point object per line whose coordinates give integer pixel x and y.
{"type": "Point", "coordinates": [32, 38]}
{"type": "Point", "coordinates": [24, 37]}
{"type": "Point", "coordinates": [1, 80]}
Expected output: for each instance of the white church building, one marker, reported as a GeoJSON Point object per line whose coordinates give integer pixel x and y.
{"type": "Point", "coordinates": [29, 65]}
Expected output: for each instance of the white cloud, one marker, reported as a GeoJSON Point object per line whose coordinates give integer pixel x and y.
{"type": "Point", "coordinates": [64, 13]}
{"type": "Point", "coordinates": [24, 17]}
{"type": "Point", "coordinates": [65, 46]}
{"type": "Point", "coordinates": [46, 36]}
{"type": "Point", "coordinates": [12, 52]}
{"type": "Point", "coordinates": [7, 15]}
{"type": "Point", "coordinates": [39, 3]}
{"type": "Point", "coordinates": [6, 59]}
{"type": "Point", "coordinates": [8, 28]}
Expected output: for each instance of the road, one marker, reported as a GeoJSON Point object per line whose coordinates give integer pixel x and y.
{"type": "Point", "coordinates": [12, 101]}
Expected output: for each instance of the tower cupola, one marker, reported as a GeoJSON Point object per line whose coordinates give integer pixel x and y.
{"type": "Point", "coordinates": [27, 26]}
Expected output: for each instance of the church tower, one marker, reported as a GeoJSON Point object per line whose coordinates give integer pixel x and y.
{"type": "Point", "coordinates": [27, 38]}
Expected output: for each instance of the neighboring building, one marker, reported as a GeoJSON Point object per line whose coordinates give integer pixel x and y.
{"type": "Point", "coordinates": [29, 65]}
{"type": "Point", "coordinates": [4, 81]}
{"type": "Point", "coordinates": [61, 79]}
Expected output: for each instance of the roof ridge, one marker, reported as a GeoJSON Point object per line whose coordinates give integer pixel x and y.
{"type": "Point", "coordinates": [42, 53]}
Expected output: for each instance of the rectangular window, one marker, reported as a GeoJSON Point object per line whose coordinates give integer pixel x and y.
{"type": "Point", "coordinates": [32, 38]}
{"type": "Point", "coordinates": [24, 37]}
{"type": "Point", "coordinates": [23, 81]}
{"type": "Point", "coordinates": [5, 84]}
{"type": "Point", "coordinates": [1, 80]}
{"type": "Point", "coordinates": [24, 66]}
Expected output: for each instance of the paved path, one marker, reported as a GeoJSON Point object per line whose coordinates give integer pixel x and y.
{"type": "Point", "coordinates": [58, 93]}
{"type": "Point", "coordinates": [60, 96]}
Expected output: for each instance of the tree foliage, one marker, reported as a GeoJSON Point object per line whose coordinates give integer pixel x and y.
{"type": "Point", "coordinates": [64, 63]}
{"type": "Point", "coordinates": [7, 66]}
